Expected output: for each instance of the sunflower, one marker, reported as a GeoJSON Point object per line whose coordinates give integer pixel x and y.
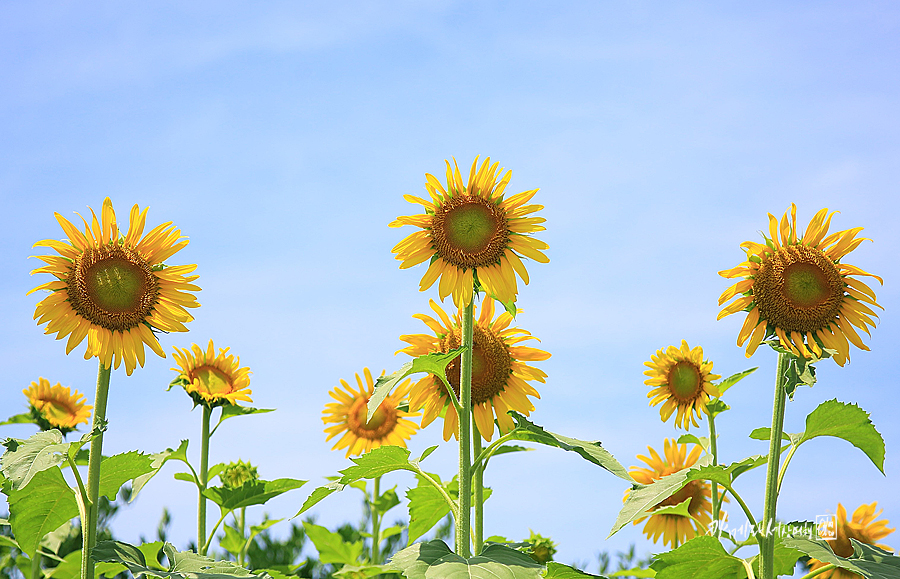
{"type": "Point", "coordinates": [210, 379]}
{"type": "Point", "coordinates": [675, 529]}
{"type": "Point", "coordinates": [684, 380]}
{"type": "Point", "coordinates": [499, 373]}
{"type": "Point", "coordinates": [114, 290]}
{"type": "Point", "coordinates": [795, 288]}
{"type": "Point", "coordinates": [388, 427]}
{"type": "Point", "coordinates": [471, 235]}
{"type": "Point", "coordinates": [56, 406]}
{"type": "Point", "coordinates": [863, 527]}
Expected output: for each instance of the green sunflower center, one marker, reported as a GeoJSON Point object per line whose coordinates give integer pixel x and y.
{"type": "Point", "coordinates": [491, 363]}
{"type": "Point", "coordinates": [469, 232]}
{"type": "Point", "coordinates": [685, 381]}
{"type": "Point", "coordinates": [113, 287]}
{"type": "Point", "coordinates": [798, 289]}
{"type": "Point", "coordinates": [213, 380]}
{"type": "Point", "coordinates": [382, 423]}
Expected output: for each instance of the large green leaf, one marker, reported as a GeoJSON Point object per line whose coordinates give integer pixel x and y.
{"type": "Point", "coordinates": [25, 458]}
{"type": "Point", "coordinates": [331, 546]}
{"type": "Point", "coordinates": [435, 560]}
{"type": "Point", "coordinates": [727, 383]}
{"type": "Point", "coordinates": [118, 469]}
{"type": "Point", "coordinates": [559, 571]}
{"type": "Point", "coordinates": [26, 418]}
{"type": "Point", "coordinates": [849, 422]}
{"type": "Point", "coordinates": [433, 363]}
{"type": "Point", "coordinates": [44, 506]}
{"type": "Point", "coordinates": [251, 493]}
{"type": "Point", "coordinates": [156, 463]}
{"type": "Point", "coordinates": [785, 558]}
{"type": "Point", "coordinates": [591, 451]}
{"type": "Point", "coordinates": [182, 565]}
{"type": "Point", "coordinates": [726, 474]}
{"type": "Point", "coordinates": [867, 560]}
{"type": "Point", "coordinates": [426, 507]}
{"type": "Point", "coordinates": [645, 497]}
{"type": "Point", "coordinates": [70, 568]}
{"type": "Point", "coordinates": [700, 558]}
{"type": "Point", "coordinates": [377, 462]}
{"type": "Point", "coordinates": [318, 494]}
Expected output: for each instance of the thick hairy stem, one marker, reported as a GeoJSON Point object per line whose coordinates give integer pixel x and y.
{"type": "Point", "coordinates": [202, 542]}
{"type": "Point", "coordinates": [464, 421]}
{"type": "Point", "coordinates": [478, 484]}
{"type": "Point", "coordinates": [89, 527]}
{"type": "Point", "coordinates": [716, 501]}
{"type": "Point", "coordinates": [767, 540]}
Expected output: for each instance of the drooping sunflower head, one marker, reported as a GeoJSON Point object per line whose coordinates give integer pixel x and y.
{"type": "Point", "coordinates": [56, 406]}
{"type": "Point", "coordinates": [212, 379]}
{"type": "Point", "coordinates": [389, 426]}
{"type": "Point", "coordinates": [863, 527]}
{"type": "Point", "coordinates": [471, 235]}
{"type": "Point", "coordinates": [796, 288]}
{"type": "Point", "coordinates": [114, 289]}
{"type": "Point", "coordinates": [675, 529]}
{"type": "Point", "coordinates": [682, 380]}
{"type": "Point", "coordinates": [500, 375]}
{"type": "Point", "coordinates": [235, 474]}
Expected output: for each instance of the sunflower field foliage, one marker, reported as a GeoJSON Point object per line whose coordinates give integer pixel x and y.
{"type": "Point", "coordinates": [475, 371]}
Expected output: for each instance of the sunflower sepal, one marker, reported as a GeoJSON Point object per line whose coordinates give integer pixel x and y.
{"type": "Point", "coordinates": [434, 363]}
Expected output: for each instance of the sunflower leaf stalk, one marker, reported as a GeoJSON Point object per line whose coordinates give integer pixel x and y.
{"type": "Point", "coordinates": [89, 532]}
{"type": "Point", "coordinates": [766, 537]}
{"type": "Point", "coordinates": [463, 523]}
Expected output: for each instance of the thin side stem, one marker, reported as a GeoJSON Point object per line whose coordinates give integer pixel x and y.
{"type": "Point", "coordinates": [202, 543]}
{"type": "Point", "coordinates": [89, 527]}
{"type": "Point", "coordinates": [376, 521]}
{"type": "Point", "coordinates": [767, 539]}
{"type": "Point", "coordinates": [464, 421]}
{"type": "Point", "coordinates": [787, 461]}
{"type": "Point", "coordinates": [716, 501]}
{"type": "Point", "coordinates": [36, 572]}
{"type": "Point", "coordinates": [819, 571]}
{"type": "Point", "coordinates": [482, 458]}
{"type": "Point", "coordinates": [744, 507]}
{"type": "Point", "coordinates": [478, 483]}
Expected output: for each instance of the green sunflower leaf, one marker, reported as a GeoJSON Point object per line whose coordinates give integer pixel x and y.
{"type": "Point", "coordinates": [23, 459]}
{"type": "Point", "coordinates": [867, 560]}
{"type": "Point", "coordinates": [43, 507]}
{"type": "Point", "coordinates": [727, 383]}
{"type": "Point", "coordinates": [559, 571]}
{"type": "Point", "coordinates": [232, 410]}
{"type": "Point", "coordinates": [726, 474]}
{"type": "Point", "coordinates": [250, 493]}
{"type": "Point", "coordinates": [331, 546]}
{"type": "Point", "coordinates": [118, 469]}
{"type": "Point", "coordinates": [785, 559]}
{"type": "Point", "coordinates": [377, 462]}
{"type": "Point", "coordinates": [426, 507]}
{"type": "Point", "coordinates": [182, 565]}
{"type": "Point", "coordinates": [387, 501]}
{"type": "Point", "coordinates": [700, 558]}
{"type": "Point", "coordinates": [849, 422]}
{"type": "Point", "coordinates": [703, 441]}
{"type": "Point", "coordinates": [644, 497]}
{"type": "Point", "coordinates": [156, 463]}
{"type": "Point", "coordinates": [233, 541]}
{"type": "Point", "coordinates": [435, 560]}
{"type": "Point", "coordinates": [433, 363]}
{"type": "Point", "coordinates": [359, 571]}
{"type": "Point", "coordinates": [590, 451]}
{"type": "Point", "coordinates": [318, 494]}
{"type": "Point", "coordinates": [762, 433]}
{"type": "Point", "coordinates": [636, 572]}
{"type": "Point", "coordinates": [26, 418]}
{"type": "Point", "coordinates": [716, 407]}
{"type": "Point", "coordinates": [507, 448]}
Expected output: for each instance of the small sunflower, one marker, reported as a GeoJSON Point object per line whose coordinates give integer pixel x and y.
{"type": "Point", "coordinates": [795, 288]}
{"type": "Point", "coordinates": [863, 527]}
{"type": "Point", "coordinates": [210, 379]}
{"type": "Point", "coordinates": [683, 379]}
{"type": "Point", "coordinates": [499, 373]}
{"type": "Point", "coordinates": [56, 406]}
{"type": "Point", "coordinates": [114, 290]}
{"type": "Point", "coordinates": [471, 235]}
{"type": "Point", "coordinates": [389, 425]}
{"type": "Point", "coordinates": [675, 529]}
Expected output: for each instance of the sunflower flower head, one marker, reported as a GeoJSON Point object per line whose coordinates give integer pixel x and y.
{"type": "Point", "coordinates": [795, 288]}
{"type": "Point", "coordinates": [500, 374]}
{"type": "Point", "coordinates": [472, 236]}
{"type": "Point", "coordinates": [211, 379]}
{"type": "Point", "coordinates": [114, 289]}
{"type": "Point", "coordinates": [56, 406]}
{"type": "Point", "coordinates": [864, 527]}
{"type": "Point", "coordinates": [682, 381]}
{"type": "Point", "coordinates": [236, 474]}
{"type": "Point", "coordinates": [675, 529]}
{"type": "Point", "coordinates": [389, 426]}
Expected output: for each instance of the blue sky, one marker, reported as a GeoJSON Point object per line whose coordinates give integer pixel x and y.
{"type": "Point", "coordinates": [281, 138]}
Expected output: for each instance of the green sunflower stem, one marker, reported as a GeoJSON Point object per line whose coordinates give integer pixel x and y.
{"type": "Point", "coordinates": [95, 455]}
{"type": "Point", "coordinates": [376, 521]}
{"type": "Point", "coordinates": [716, 502]}
{"type": "Point", "coordinates": [202, 543]}
{"type": "Point", "coordinates": [478, 490]}
{"type": "Point", "coordinates": [464, 421]}
{"type": "Point", "coordinates": [767, 537]}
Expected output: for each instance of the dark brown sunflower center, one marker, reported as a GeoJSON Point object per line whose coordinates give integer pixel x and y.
{"type": "Point", "coordinates": [469, 232]}
{"type": "Point", "coordinates": [213, 380]}
{"type": "Point", "coordinates": [113, 287]}
{"type": "Point", "coordinates": [381, 424]}
{"type": "Point", "coordinates": [798, 289]}
{"type": "Point", "coordinates": [693, 490]}
{"type": "Point", "coordinates": [685, 381]}
{"type": "Point", "coordinates": [491, 363]}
